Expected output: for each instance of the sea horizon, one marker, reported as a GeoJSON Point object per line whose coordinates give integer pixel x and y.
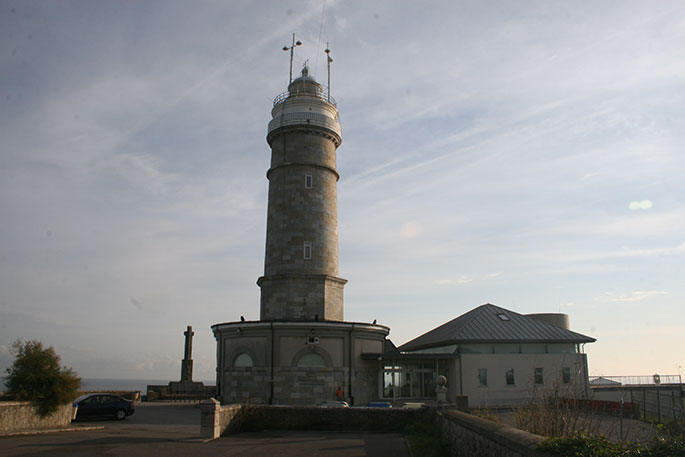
{"type": "Point", "coordinates": [91, 384]}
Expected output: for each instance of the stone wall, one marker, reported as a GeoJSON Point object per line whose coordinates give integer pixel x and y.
{"type": "Point", "coordinates": [216, 419]}
{"type": "Point", "coordinates": [219, 420]}
{"type": "Point", "coordinates": [466, 435]}
{"type": "Point", "coordinates": [22, 415]}
{"type": "Point", "coordinates": [338, 419]}
{"type": "Point", "coordinates": [471, 436]}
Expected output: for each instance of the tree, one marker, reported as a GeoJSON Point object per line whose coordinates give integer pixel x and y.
{"type": "Point", "coordinates": [36, 376]}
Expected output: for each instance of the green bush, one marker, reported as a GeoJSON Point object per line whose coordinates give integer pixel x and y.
{"type": "Point", "coordinates": [36, 376]}
{"type": "Point", "coordinates": [586, 445]}
{"type": "Point", "coordinates": [425, 440]}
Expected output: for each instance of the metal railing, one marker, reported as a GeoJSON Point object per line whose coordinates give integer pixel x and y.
{"type": "Point", "coordinates": [640, 380]}
{"type": "Point", "coordinates": [321, 95]}
{"type": "Point", "coordinates": [316, 119]}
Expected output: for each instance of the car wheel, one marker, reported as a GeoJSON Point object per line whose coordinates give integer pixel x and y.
{"type": "Point", "coordinates": [120, 415]}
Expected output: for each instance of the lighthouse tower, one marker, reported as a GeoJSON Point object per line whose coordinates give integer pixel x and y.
{"type": "Point", "coordinates": [300, 351]}
{"type": "Point", "coordinates": [301, 263]}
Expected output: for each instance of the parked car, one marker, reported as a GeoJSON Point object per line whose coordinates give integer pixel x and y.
{"type": "Point", "coordinates": [379, 404]}
{"type": "Point", "coordinates": [103, 405]}
{"type": "Point", "coordinates": [411, 405]}
{"type": "Point", "coordinates": [334, 404]}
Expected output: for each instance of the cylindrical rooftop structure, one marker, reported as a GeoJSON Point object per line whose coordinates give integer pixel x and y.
{"type": "Point", "coordinates": [558, 319]}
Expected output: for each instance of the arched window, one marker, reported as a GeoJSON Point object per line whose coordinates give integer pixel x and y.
{"type": "Point", "coordinates": [311, 360]}
{"type": "Point", "coordinates": [243, 361]}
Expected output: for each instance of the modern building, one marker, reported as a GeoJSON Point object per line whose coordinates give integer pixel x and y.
{"type": "Point", "coordinates": [494, 356]}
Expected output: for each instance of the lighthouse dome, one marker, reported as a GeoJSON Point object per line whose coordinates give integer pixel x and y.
{"type": "Point", "coordinates": [305, 83]}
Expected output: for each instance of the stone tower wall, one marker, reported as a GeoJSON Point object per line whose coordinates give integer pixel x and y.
{"type": "Point", "coordinates": [301, 258]}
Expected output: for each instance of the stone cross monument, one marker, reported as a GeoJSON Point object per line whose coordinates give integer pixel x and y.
{"type": "Point", "coordinates": [187, 362]}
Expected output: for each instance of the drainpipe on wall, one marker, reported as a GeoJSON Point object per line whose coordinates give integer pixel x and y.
{"type": "Point", "coordinates": [461, 375]}
{"type": "Point", "coordinates": [586, 377]}
{"type": "Point", "coordinates": [219, 367]}
{"type": "Point", "coordinates": [271, 374]}
{"type": "Point", "coordinates": [349, 370]}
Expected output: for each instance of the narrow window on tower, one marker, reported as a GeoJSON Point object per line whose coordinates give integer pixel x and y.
{"type": "Point", "coordinates": [308, 180]}
{"type": "Point", "coordinates": [307, 250]}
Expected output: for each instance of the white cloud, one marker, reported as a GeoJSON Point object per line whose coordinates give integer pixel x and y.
{"type": "Point", "coordinates": [643, 204]}
{"type": "Point", "coordinates": [468, 279]}
{"type": "Point", "coordinates": [638, 295]}
{"type": "Point", "coordinates": [411, 229]}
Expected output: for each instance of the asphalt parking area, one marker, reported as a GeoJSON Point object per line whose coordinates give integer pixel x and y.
{"type": "Point", "coordinates": [173, 429]}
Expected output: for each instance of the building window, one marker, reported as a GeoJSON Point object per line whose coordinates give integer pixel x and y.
{"type": "Point", "coordinates": [483, 377]}
{"type": "Point", "coordinates": [566, 375]}
{"type": "Point", "coordinates": [311, 360]}
{"type": "Point", "coordinates": [538, 376]}
{"type": "Point", "coordinates": [507, 348]}
{"type": "Point", "coordinates": [243, 361]}
{"type": "Point", "coordinates": [509, 375]}
{"type": "Point", "coordinates": [307, 250]}
{"type": "Point", "coordinates": [308, 180]}
{"type": "Point", "coordinates": [412, 379]}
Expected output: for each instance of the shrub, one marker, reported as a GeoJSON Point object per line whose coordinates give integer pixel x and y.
{"type": "Point", "coordinates": [486, 414]}
{"type": "Point", "coordinates": [36, 376]}
{"type": "Point", "coordinates": [586, 445]}
{"type": "Point", "coordinates": [425, 440]}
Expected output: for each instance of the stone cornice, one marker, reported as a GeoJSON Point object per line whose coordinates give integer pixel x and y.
{"type": "Point", "coordinates": [308, 164]}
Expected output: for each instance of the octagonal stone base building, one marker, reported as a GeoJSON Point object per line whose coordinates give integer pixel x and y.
{"type": "Point", "coordinates": [298, 362]}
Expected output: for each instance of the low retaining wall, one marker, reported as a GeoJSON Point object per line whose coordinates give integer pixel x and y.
{"type": "Point", "coordinates": [218, 420]}
{"type": "Point", "coordinates": [338, 419]}
{"type": "Point", "coordinates": [468, 436]}
{"type": "Point", "coordinates": [22, 415]}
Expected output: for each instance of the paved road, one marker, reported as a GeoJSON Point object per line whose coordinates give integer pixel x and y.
{"type": "Point", "coordinates": [172, 429]}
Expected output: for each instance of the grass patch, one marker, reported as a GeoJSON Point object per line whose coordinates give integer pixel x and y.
{"type": "Point", "coordinates": [425, 440]}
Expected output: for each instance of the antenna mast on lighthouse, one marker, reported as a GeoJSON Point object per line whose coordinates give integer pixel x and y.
{"type": "Point", "coordinates": [291, 49]}
{"type": "Point", "coordinates": [329, 59]}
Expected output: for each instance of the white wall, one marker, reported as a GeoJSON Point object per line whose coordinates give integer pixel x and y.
{"type": "Point", "coordinates": [498, 394]}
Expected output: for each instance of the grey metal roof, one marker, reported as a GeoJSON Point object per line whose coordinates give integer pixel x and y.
{"type": "Point", "coordinates": [483, 325]}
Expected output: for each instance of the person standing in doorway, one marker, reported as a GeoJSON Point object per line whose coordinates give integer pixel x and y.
{"type": "Point", "coordinates": [339, 394]}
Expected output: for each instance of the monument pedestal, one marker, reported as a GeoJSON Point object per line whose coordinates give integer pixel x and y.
{"type": "Point", "coordinates": [186, 387]}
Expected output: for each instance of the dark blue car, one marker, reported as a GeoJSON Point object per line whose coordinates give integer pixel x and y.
{"type": "Point", "coordinates": [103, 405]}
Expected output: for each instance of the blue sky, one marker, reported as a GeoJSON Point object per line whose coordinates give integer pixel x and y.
{"type": "Point", "coordinates": [526, 154]}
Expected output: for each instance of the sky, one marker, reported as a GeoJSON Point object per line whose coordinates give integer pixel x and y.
{"type": "Point", "coordinates": [526, 154]}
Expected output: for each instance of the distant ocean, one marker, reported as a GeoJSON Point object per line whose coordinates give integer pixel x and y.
{"type": "Point", "coordinates": [118, 384]}
{"type": "Point", "coordinates": [125, 384]}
